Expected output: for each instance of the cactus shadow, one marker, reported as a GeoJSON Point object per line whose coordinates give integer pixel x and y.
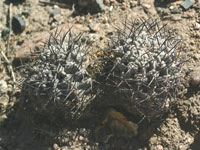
{"type": "Point", "coordinates": [196, 143]}
{"type": "Point", "coordinates": [30, 130]}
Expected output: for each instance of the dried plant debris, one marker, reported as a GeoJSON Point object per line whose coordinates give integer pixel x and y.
{"type": "Point", "coordinates": [57, 79]}
{"type": "Point", "coordinates": [144, 69]}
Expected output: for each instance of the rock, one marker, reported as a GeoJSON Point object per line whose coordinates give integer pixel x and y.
{"type": "Point", "coordinates": [55, 12]}
{"type": "Point", "coordinates": [27, 13]}
{"type": "Point", "coordinates": [93, 27]}
{"type": "Point", "coordinates": [65, 148]}
{"type": "Point", "coordinates": [3, 117]}
{"type": "Point", "coordinates": [81, 138]}
{"type": "Point", "coordinates": [78, 148]}
{"type": "Point", "coordinates": [3, 103]}
{"type": "Point", "coordinates": [163, 11]}
{"type": "Point", "coordinates": [175, 11]}
{"type": "Point", "coordinates": [18, 24]}
{"type": "Point", "coordinates": [56, 147]}
{"type": "Point", "coordinates": [171, 7]}
{"type": "Point", "coordinates": [148, 6]}
{"type": "Point", "coordinates": [176, 17]}
{"type": "Point", "coordinates": [3, 87]}
{"type": "Point", "coordinates": [91, 6]}
{"type": "Point", "coordinates": [5, 32]}
{"type": "Point", "coordinates": [196, 26]}
{"type": "Point", "coordinates": [187, 4]}
{"type": "Point", "coordinates": [159, 147]}
{"type": "Point", "coordinates": [133, 4]}
{"type": "Point", "coordinates": [195, 77]}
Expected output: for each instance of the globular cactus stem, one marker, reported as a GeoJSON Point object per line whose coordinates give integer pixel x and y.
{"type": "Point", "coordinates": [57, 79]}
{"type": "Point", "coordinates": [144, 69]}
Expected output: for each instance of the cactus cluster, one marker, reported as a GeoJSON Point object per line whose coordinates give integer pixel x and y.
{"type": "Point", "coordinates": [57, 78]}
{"type": "Point", "coordinates": [140, 74]}
{"type": "Point", "coordinates": [144, 68]}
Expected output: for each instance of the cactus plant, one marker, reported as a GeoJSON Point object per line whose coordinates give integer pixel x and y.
{"type": "Point", "coordinates": [57, 78]}
{"type": "Point", "coordinates": [143, 70]}
{"type": "Point", "coordinates": [141, 73]}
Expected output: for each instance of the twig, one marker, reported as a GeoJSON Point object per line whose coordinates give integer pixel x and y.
{"type": "Point", "coordinates": [9, 67]}
{"type": "Point", "coordinates": [54, 3]}
{"type": "Point", "coordinates": [10, 27]}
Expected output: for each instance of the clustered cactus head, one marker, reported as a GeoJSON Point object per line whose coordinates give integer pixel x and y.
{"type": "Point", "coordinates": [57, 78]}
{"type": "Point", "coordinates": [144, 68]}
{"type": "Point", "coordinates": [139, 74]}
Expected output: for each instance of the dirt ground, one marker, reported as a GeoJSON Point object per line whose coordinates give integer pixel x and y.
{"type": "Point", "coordinates": [178, 130]}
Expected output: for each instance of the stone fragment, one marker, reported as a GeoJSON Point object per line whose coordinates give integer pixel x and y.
{"type": "Point", "coordinates": [175, 11]}
{"type": "Point", "coordinates": [148, 6]}
{"type": "Point", "coordinates": [18, 24]}
{"type": "Point", "coordinates": [3, 103]}
{"type": "Point", "coordinates": [92, 6]}
{"type": "Point", "coordinates": [27, 13]}
{"type": "Point", "coordinates": [196, 26]}
{"type": "Point", "coordinates": [187, 4]}
{"type": "Point", "coordinates": [195, 77]}
{"type": "Point", "coordinates": [55, 12]}
{"type": "Point", "coordinates": [65, 148]}
{"type": "Point", "coordinates": [5, 32]}
{"type": "Point", "coordinates": [159, 147]}
{"type": "Point", "coordinates": [3, 87]}
{"type": "Point", "coordinates": [93, 27]}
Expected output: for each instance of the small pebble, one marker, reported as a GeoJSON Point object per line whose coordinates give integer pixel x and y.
{"type": "Point", "coordinates": [195, 77]}
{"type": "Point", "coordinates": [65, 148]}
{"type": "Point", "coordinates": [27, 12]}
{"type": "Point", "coordinates": [176, 17]}
{"type": "Point", "coordinates": [55, 12]}
{"type": "Point", "coordinates": [171, 7]}
{"type": "Point", "coordinates": [92, 6]}
{"type": "Point", "coordinates": [93, 28]}
{"type": "Point", "coordinates": [196, 26]}
{"type": "Point", "coordinates": [175, 11]}
{"type": "Point", "coordinates": [3, 117]}
{"type": "Point", "coordinates": [3, 86]}
{"type": "Point", "coordinates": [3, 102]}
{"type": "Point", "coordinates": [147, 6]}
{"type": "Point", "coordinates": [164, 11]}
{"type": "Point", "coordinates": [18, 24]}
{"type": "Point", "coordinates": [133, 4]}
{"type": "Point", "coordinates": [187, 4]}
{"type": "Point", "coordinates": [5, 32]}
{"type": "Point", "coordinates": [159, 147]}
{"type": "Point", "coordinates": [56, 147]}
{"type": "Point", "coordinates": [81, 138]}
{"type": "Point", "coordinates": [78, 148]}
{"type": "Point", "coordinates": [65, 140]}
